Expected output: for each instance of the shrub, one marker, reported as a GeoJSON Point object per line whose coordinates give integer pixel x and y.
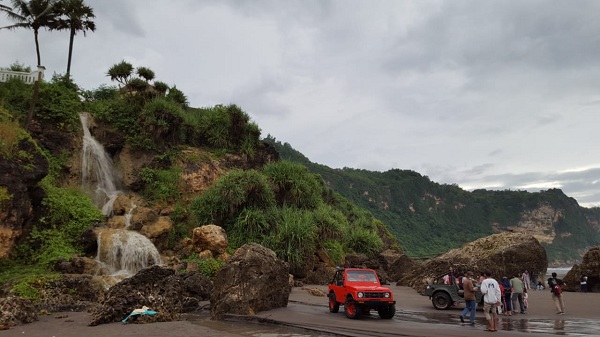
{"type": "Point", "coordinates": [362, 240]}
{"type": "Point", "coordinates": [161, 120]}
{"type": "Point", "coordinates": [251, 225]}
{"type": "Point", "coordinates": [335, 250]}
{"type": "Point", "coordinates": [60, 105]}
{"type": "Point", "coordinates": [208, 267]}
{"type": "Point", "coordinates": [233, 192]}
{"type": "Point", "coordinates": [331, 223]}
{"type": "Point", "coordinates": [161, 185]}
{"type": "Point", "coordinates": [68, 214]}
{"type": "Point", "coordinates": [10, 135]}
{"type": "Point", "coordinates": [294, 237]}
{"type": "Point", "coordinates": [15, 96]}
{"type": "Point", "coordinates": [294, 185]}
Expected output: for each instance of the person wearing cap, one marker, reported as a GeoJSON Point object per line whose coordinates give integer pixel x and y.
{"type": "Point", "coordinates": [469, 294]}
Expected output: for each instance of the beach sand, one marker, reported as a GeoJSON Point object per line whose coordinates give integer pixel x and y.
{"type": "Point", "coordinates": [305, 309]}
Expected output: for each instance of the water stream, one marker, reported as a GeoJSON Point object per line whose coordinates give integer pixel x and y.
{"type": "Point", "coordinates": [97, 168]}
{"type": "Point", "coordinates": [121, 252]}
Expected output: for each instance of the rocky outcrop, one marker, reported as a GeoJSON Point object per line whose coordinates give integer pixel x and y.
{"type": "Point", "coordinates": [253, 280]}
{"type": "Point", "coordinates": [157, 288]}
{"type": "Point", "coordinates": [16, 310]}
{"type": "Point", "coordinates": [501, 254]}
{"type": "Point", "coordinates": [132, 212]}
{"type": "Point", "coordinates": [20, 171]}
{"type": "Point", "coordinates": [386, 264]}
{"type": "Point", "coordinates": [590, 267]}
{"type": "Point", "coordinates": [70, 293]}
{"type": "Point", "coordinates": [210, 238]}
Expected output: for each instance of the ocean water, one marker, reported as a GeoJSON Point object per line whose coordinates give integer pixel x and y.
{"type": "Point", "coordinates": [560, 272]}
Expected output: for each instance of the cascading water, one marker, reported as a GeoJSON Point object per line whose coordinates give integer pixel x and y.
{"type": "Point", "coordinates": [128, 215]}
{"type": "Point", "coordinates": [121, 252]}
{"type": "Point", "coordinates": [97, 164]}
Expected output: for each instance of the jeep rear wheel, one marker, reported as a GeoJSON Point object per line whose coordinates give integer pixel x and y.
{"type": "Point", "coordinates": [441, 301]}
{"type": "Point", "coordinates": [333, 305]}
{"type": "Point", "coordinates": [387, 312]}
{"type": "Point", "coordinates": [351, 308]}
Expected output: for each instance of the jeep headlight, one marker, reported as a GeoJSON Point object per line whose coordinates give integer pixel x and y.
{"type": "Point", "coordinates": [386, 295]}
{"type": "Point", "coordinates": [360, 295]}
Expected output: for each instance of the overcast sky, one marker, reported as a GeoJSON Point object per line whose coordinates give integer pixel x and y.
{"type": "Point", "coordinates": [484, 94]}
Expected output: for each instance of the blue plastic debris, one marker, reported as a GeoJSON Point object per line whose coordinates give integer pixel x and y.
{"type": "Point", "coordinates": [141, 312]}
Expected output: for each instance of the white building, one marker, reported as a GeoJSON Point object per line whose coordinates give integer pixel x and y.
{"type": "Point", "coordinates": [29, 78]}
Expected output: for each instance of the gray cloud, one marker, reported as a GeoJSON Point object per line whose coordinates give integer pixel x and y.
{"type": "Point", "coordinates": [500, 94]}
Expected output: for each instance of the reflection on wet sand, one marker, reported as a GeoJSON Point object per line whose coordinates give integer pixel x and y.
{"type": "Point", "coordinates": [562, 326]}
{"type": "Point", "coordinates": [557, 327]}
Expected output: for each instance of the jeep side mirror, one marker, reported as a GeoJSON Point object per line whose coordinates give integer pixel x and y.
{"type": "Point", "coordinates": [384, 282]}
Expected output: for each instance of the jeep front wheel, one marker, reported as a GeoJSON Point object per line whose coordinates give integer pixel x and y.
{"type": "Point", "coordinates": [351, 308]}
{"type": "Point", "coordinates": [387, 312]}
{"type": "Point", "coordinates": [441, 301]}
{"type": "Point", "coordinates": [334, 306]}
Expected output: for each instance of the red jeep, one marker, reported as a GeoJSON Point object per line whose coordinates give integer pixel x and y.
{"type": "Point", "coordinates": [359, 290]}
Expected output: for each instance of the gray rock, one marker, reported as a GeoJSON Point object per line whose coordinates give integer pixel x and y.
{"type": "Point", "coordinates": [504, 254]}
{"type": "Point", "coordinates": [253, 280]}
{"type": "Point", "coordinates": [590, 267]}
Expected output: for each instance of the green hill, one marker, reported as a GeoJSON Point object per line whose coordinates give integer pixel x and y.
{"type": "Point", "coordinates": [429, 218]}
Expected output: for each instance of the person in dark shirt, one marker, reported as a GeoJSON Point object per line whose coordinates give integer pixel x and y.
{"type": "Point", "coordinates": [555, 284]}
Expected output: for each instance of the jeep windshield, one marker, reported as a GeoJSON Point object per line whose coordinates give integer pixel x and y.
{"type": "Point", "coordinates": [361, 276]}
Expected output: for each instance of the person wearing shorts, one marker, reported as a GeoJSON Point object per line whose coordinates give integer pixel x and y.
{"type": "Point", "coordinates": [492, 298]}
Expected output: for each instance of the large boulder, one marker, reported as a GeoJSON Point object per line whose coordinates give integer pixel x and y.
{"type": "Point", "coordinates": [590, 267]}
{"type": "Point", "coordinates": [385, 263]}
{"type": "Point", "coordinates": [210, 237]}
{"type": "Point", "coordinates": [504, 254]}
{"type": "Point", "coordinates": [253, 280]}
{"type": "Point", "coordinates": [156, 287]}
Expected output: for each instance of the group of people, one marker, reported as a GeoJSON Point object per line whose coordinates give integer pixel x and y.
{"type": "Point", "coordinates": [502, 298]}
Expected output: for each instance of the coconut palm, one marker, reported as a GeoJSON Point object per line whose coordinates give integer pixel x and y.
{"type": "Point", "coordinates": [74, 15]}
{"type": "Point", "coordinates": [33, 15]}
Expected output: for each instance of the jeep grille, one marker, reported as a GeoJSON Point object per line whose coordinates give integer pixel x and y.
{"type": "Point", "coordinates": [374, 295]}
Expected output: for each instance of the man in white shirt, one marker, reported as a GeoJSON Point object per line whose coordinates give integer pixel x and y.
{"type": "Point", "coordinates": [491, 299]}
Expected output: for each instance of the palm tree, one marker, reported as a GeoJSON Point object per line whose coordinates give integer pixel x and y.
{"type": "Point", "coordinates": [33, 14]}
{"type": "Point", "coordinates": [75, 16]}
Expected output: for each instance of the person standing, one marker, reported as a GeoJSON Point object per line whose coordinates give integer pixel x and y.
{"type": "Point", "coordinates": [526, 280]}
{"type": "Point", "coordinates": [555, 284]}
{"type": "Point", "coordinates": [469, 294]}
{"type": "Point", "coordinates": [517, 293]}
{"type": "Point", "coordinates": [507, 296]}
{"type": "Point", "coordinates": [583, 284]}
{"type": "Point", "coordinates": [491, 300]}
{"type": "Point", "coordinates": [534, 281]}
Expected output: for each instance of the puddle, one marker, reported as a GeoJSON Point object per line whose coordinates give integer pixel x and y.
{"type": "Point", "coordinates": [536, 326]}
{"type": "Point", "coordinates": [558, 327]}
{"type": "Point", "coordinates": [253, 329]}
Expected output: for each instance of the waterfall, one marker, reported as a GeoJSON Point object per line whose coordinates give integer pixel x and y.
{"type": "Point", "coordinates": [121, 252]}
{"type": "Point", "coordinates": [124, 253]}
{"type": "Point", "coordinates": [128, 215]}
{"type": "Point", "coordinates": [96, 166]}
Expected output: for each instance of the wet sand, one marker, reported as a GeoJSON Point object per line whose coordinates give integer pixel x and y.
{"type": "Point", "coordinates": [415, 317]}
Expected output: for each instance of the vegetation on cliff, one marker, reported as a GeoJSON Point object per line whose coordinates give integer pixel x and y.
{"type": "Point", "coordinates": [430, 218]}
{"type": "Point", "coordinates": [279, 205]}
